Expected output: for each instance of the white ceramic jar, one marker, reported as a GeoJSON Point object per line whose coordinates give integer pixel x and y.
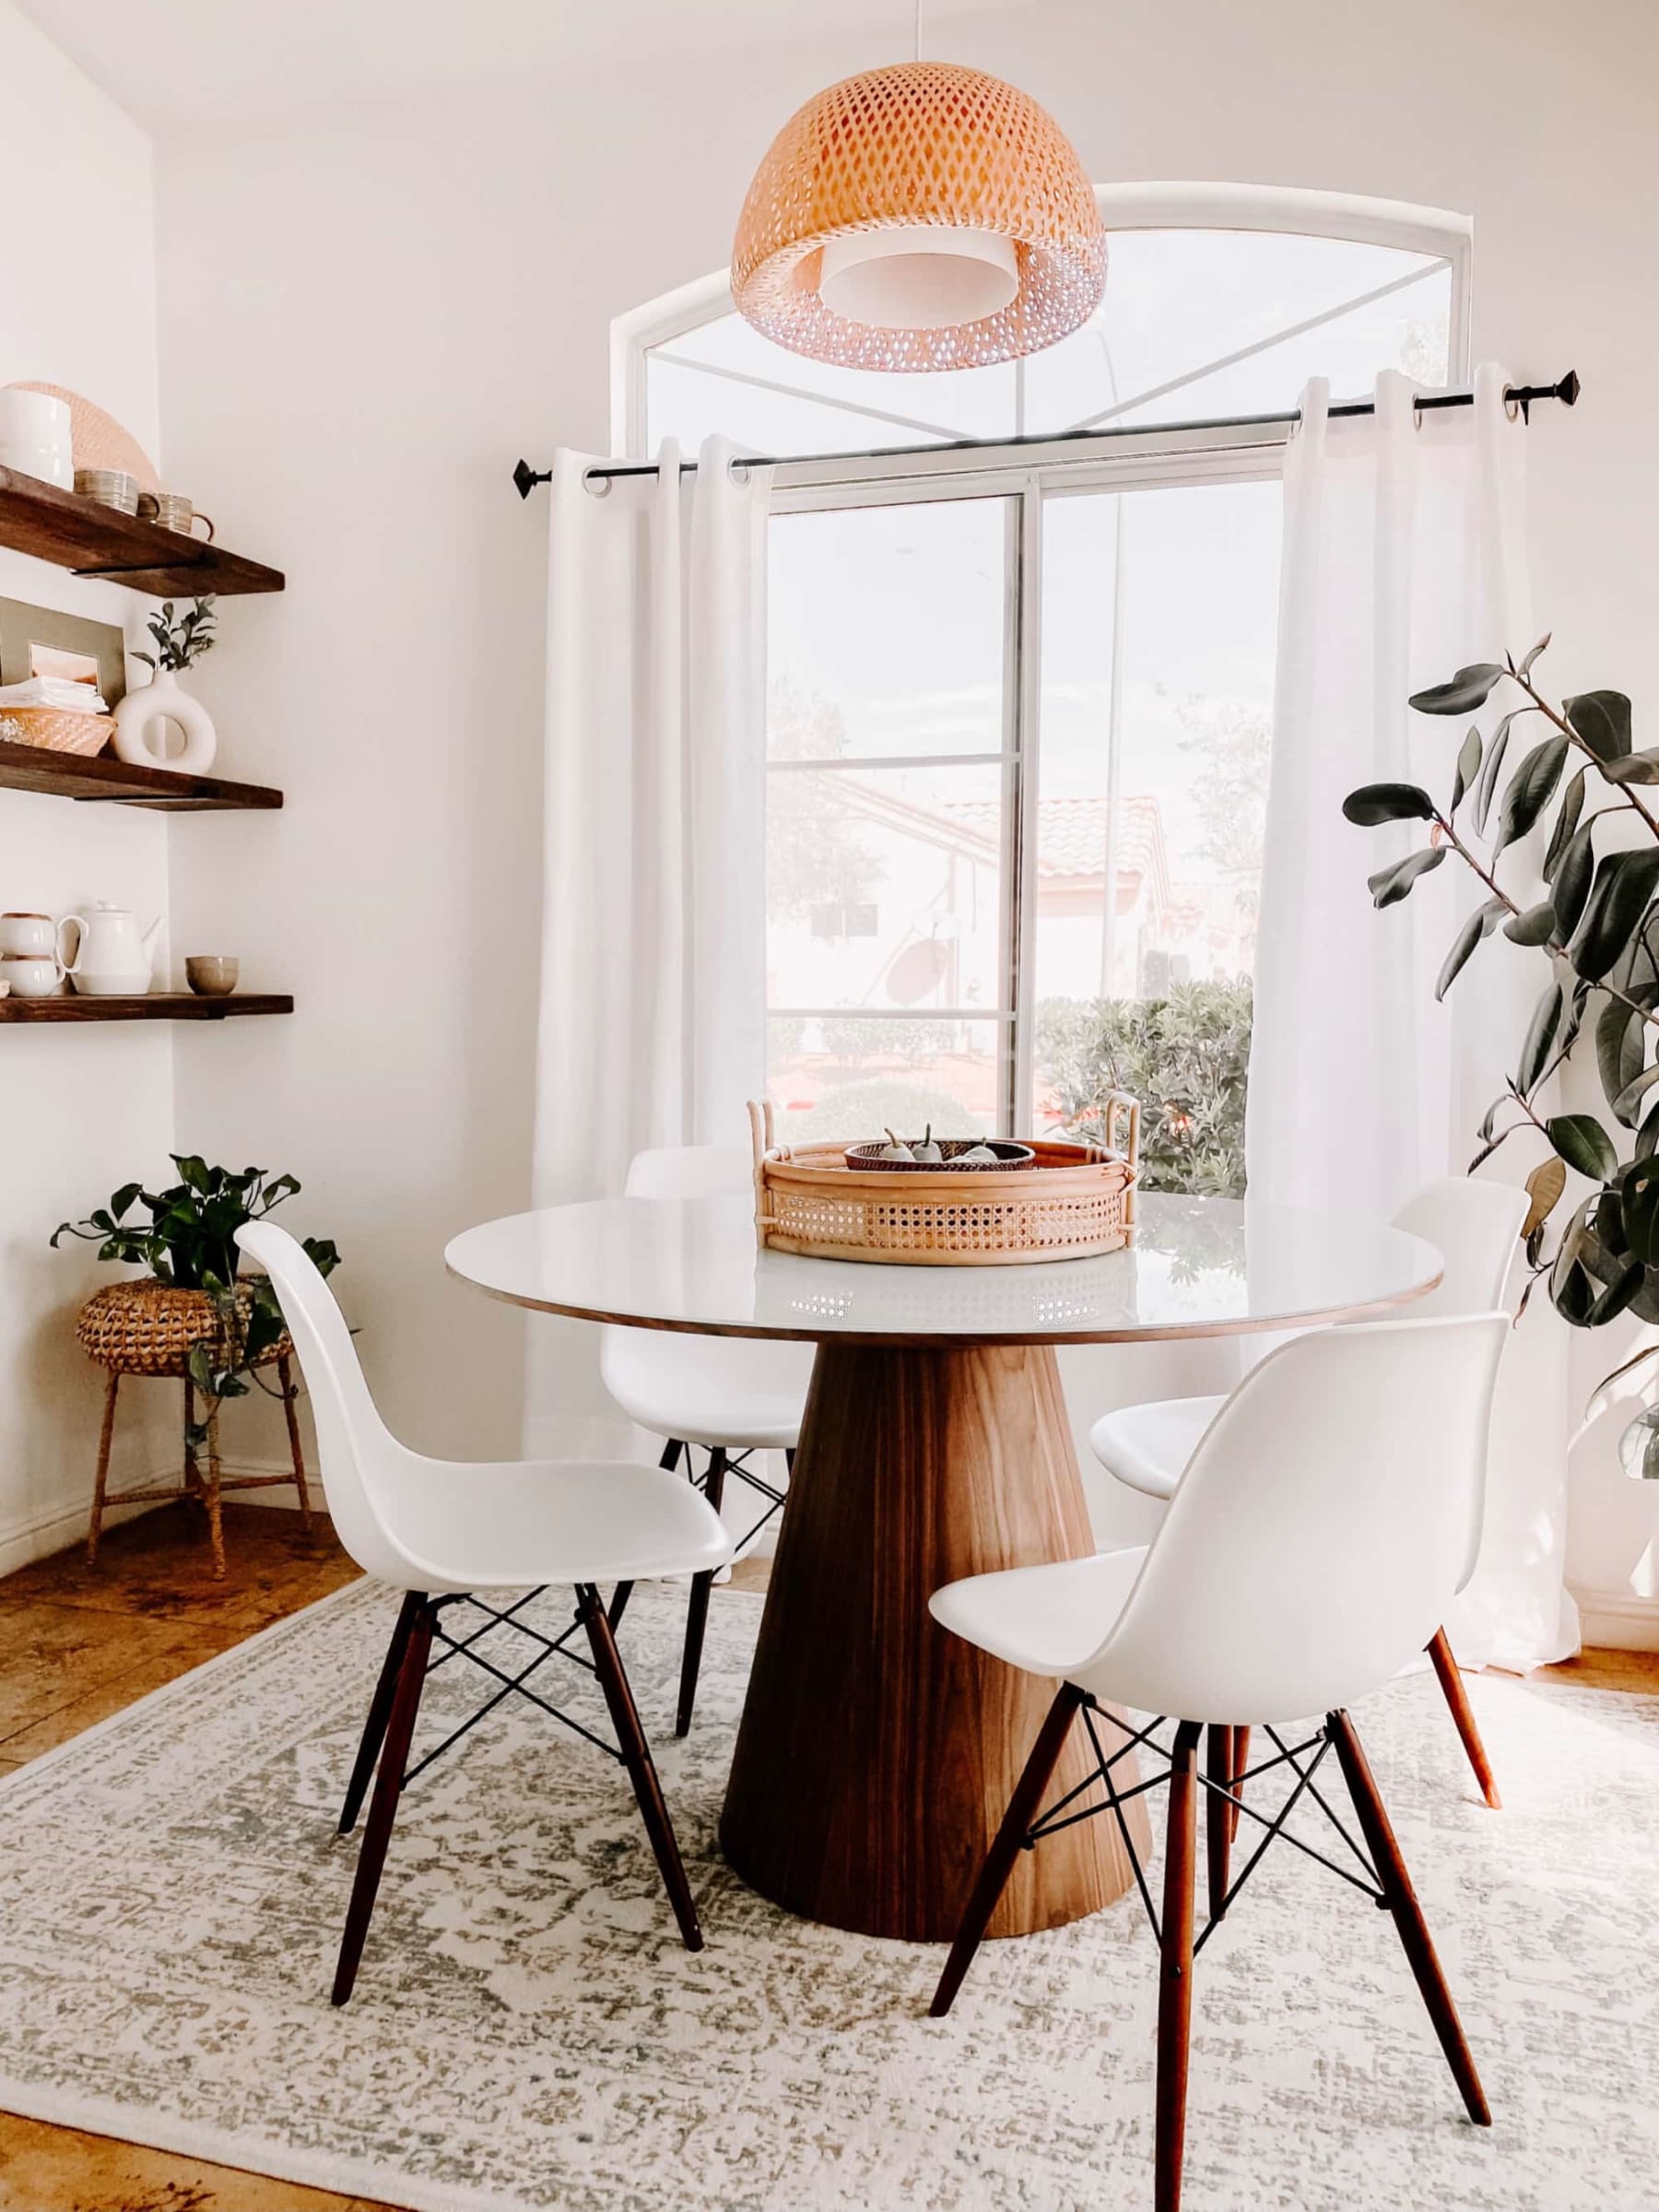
{"type": "Point", "coordinates": [35, 436]}
{"type": "Point", "coordinates": [31, 975]}
{"type": "Point", "coordinates": [28, 935]}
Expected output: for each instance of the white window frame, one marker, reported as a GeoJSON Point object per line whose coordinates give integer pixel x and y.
{"type": "Point", "coordinates": [1138, 459]}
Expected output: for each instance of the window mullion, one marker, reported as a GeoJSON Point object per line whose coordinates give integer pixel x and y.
{"type": "Point", "coordinates": [1022, 694]}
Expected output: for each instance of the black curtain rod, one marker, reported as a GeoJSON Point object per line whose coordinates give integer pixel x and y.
{"type": "Point", "coordinates": [1518, 395]}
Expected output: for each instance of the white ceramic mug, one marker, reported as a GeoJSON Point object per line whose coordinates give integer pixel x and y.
{"type": "Point", "coordinates": [35, 436]}
{"type": "Point", "coordinates": [28, 935]}
{"type": "Point", "coordinates": [31, 975]}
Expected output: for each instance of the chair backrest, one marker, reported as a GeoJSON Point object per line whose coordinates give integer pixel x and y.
{"type": "Point", "coordinates": [1477, 1226]}
{"type": "Point", "coordinates": [690, 1171]}
{"type": "Point", "coordinates": [360, 1458]}
{"type": "Point", "coordinates": [1317, 1536]}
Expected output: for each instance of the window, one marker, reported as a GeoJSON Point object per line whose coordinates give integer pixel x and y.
{"type": "Point", "coordinates": [1021, 699]}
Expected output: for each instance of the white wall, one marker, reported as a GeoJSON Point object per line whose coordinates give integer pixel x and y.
{"type": "Point", "coordinates": [81, 1110]}
{"type": "Point", "coordinates": [366, 318]}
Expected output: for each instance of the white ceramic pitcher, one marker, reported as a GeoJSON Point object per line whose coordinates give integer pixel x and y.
{"type": "Point", "coordinates": [112, 955]}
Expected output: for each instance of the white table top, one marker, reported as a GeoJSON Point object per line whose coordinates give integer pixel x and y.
{"type": "Point", "coordinates": [1198, 1267]}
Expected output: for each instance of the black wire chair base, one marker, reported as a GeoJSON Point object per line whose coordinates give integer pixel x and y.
{"type": "Point", "coordinates": [737, 1462]}
{"type": "Point", "coordinates": [1114, 1799]}
{"type": "Point", "coordinates": [462, 1647]}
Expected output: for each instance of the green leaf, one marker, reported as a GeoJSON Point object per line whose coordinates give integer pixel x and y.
{"type": "Point", "coordinates": [1468, 689]}
{"type": "Point", "coordinates": [1639, 1204]}
{"type": "Point", "coordinates": [1566, 822]}
{"type": "Point", "coordinates": [1635, 768]}
{"type": "Point", "coordinates": [1529, 657]}
{"type": "Point", "coordinates": [1618, 1053]}
{"type": "Point", "coordinates": [1584, 1144]}
{"type": "Point", "coordinates": [1543, 1187]}
{"type": "Point", "coordinates": [1631, 1096]}
{"type": "Point", "coordinates": [1624, 887]}
{"type": "Point", "coordinates": [1389, 885]}
{"type": "Point", "coordinates": [1536, 927]}
{"type": "Point", "coordinates": [1376, 803]}
{"type": "Point", "coordinates": [1479, 924]}
{"type": "Point", "coordinates": [1529, 791]}
{"type": "Point", "coordinates": [1572, 880]}
{"type": "Point", "coordinates": [1487, 785]}
{"type": "Point", "coordinates": [1647, 1136]}
{"type": "Point", "coordinates": [1602, 719]}
{"type": "Point", "coordinates": [1468, 767]}
{"type": "Point", "coordinates": [1540, 1036]}
{"type": "Point", "coordinates": [1618, 1295]}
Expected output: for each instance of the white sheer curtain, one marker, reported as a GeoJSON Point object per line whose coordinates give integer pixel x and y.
{"type": "Point", "coordinates": [1403, 559]}
{"type": "Point", "coordinates": [652, 1026]}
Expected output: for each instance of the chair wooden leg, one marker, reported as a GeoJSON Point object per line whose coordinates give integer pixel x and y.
{"type": "Point", "coordinates": [380, 1710]}
{"type": "Point", "coordinates": [101, 1480]}
{"type": "Point", "coordinates": [1023, 1808]}
{"type": "Point", "coordinates": [1175, 1967]}
{"type": "Point", "coordinates": [624, 1591]}
{"type": "Point", "coordinates": [290, 1406]}
{"type": "Point", "coordinates": [388, 1789]}
{"type": "Point", "coordinates": [1463, 1713]}
{"type": "Point", "coordinates": [1222, 1764]}
{"type": "Point", "coordinates": [215, 1525]}
{"type": "Point", "coordinates": [641, 1770]}
{"type": "Point", "coordinates": [696, 1613]}
{"type": "Point", "coordinates": [1378, 1835]}
{"type": "Point", "coordinates": [1240, 1768]}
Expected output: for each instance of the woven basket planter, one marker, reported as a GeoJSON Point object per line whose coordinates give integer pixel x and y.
{"type": "Point", "coordinates": [150, 1328]}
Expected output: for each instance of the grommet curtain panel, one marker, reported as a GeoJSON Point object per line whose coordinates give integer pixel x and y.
{"type": "Point", "coordinates": [651, 1019]}
{"type": "Point", "coordinates": [1403, 559]}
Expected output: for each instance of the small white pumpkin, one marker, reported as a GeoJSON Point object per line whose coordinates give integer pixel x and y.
{"type": "Point", "coordinates": [893, 1149]}
{"type": "Point", "coordinates": [927, 1150]}
{"type": "Point", "coordinates": [976, 1157]}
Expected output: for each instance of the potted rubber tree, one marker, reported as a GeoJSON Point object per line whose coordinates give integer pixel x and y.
{"type": "Point", "coordinates": [1583, 782]}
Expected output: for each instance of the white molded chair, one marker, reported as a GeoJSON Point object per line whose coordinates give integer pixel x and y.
{"type": "Point", "coordinates": [442, 1531]}
{"type": "Point", "coordinates": [731, 1395]}
{"type": "Point", "coordinates": [1307, 1553]}
{"type": "Point", "coordinates": [1475, 1225]}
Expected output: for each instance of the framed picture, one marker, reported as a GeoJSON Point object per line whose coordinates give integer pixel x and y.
{"type": "Point", "coordinates": [35, 640]}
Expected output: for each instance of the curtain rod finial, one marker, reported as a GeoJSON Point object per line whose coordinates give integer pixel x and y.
{"type": "Point", "coordinates": [527, 478]}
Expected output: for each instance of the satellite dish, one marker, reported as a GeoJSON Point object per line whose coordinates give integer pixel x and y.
{"type": "Point", "coordinates": [919, 970]}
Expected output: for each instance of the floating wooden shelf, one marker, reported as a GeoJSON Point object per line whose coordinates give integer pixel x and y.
{"type": "Point", "coordinates": [92, 540]}
{"type": "Point", "coordinates": [104, 777]}
{"type": "Point", "coordinates": [156, 1005]}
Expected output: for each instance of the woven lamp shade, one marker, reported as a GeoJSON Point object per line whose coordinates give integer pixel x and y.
{"type": "Point", "coordinates": [925, 143]}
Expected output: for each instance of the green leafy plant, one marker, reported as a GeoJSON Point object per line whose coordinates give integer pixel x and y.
{"type": "Point", "coordinates": [189, 1241]}
{"type": "Point", "coordinates": [1184, 1056]}
{"type": "Point", "coordinates": [181, 642]}
{"type": "Point", "coordinates": [1595, 934]}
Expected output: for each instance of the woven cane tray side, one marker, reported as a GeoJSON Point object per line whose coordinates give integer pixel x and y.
{"type": "Point", "coordinates": [1075, 1201]}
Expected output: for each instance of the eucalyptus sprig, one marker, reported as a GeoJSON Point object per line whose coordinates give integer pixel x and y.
{"type": "Point", "coordinates": [1597, 930]}
{"type": "Point", "coordinates": [189, 1241]}
{"type": "Point", "coordinates": [181, 642]}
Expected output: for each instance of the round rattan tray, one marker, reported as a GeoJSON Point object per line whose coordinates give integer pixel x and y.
{"type": "Point", "coordinates": [1073, 1201]}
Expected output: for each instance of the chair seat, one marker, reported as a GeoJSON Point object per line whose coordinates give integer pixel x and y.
{"type": "Point", "coordinates": [1148, 1446]}
{"type": "Point", "coordinates": [502, 1526]}
{"type": "Point", "coordinates": [1047, 1620]}
{"type": "Point", "coordinates": [709, 1390]}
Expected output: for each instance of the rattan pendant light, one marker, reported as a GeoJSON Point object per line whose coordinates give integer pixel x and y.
{"type": "Point", "coordinates": [923, 216]}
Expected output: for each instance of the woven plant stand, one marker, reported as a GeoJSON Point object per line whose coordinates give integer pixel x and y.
{"type": "Point", "coordinates": [150, 1328]}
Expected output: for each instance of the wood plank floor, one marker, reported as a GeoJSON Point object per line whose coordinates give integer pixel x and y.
{"type": "Point", "coordinates": [76, 1645]}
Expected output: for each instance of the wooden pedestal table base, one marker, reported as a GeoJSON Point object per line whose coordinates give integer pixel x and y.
{"type": "Point", "coordinates": [876, 1752]}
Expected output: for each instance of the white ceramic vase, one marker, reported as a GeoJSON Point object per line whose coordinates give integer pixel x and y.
{"type": "Point", "coordinates": [139, 727]}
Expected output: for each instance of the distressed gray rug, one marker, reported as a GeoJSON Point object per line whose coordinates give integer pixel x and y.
{"type": "Point", "coordinates": [528, 2033]}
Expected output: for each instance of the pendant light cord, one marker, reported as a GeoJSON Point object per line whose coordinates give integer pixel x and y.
{"type": "Point", "coordinates": [918, 30]}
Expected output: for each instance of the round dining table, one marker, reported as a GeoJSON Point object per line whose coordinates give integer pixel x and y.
{"type": "Point", "coordinates": [876, 1753]}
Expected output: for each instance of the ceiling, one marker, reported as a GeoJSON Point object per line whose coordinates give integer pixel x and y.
{"type": "Point", "coordinates": [171, 62]}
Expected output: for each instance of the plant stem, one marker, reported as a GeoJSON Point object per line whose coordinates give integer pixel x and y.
{"type": "Point", "coordinates": [1624, 790]}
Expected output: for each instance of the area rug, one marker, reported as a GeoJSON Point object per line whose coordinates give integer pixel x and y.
{"type": "Point", "coordinates": [528, 2033]}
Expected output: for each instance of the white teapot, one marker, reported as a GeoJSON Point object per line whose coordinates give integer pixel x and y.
{"type": "Point", "coordinates": [112, 955]}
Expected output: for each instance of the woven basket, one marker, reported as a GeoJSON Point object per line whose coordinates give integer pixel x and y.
{"type": "Point", "coordinates": [1072, 1202]}
{"type": "Point", "coordinates": [150, 1328]}
{"type": "Point", "coordinates": [866, 1159]}
{"type": "Point", "coordinates": [56, 733]}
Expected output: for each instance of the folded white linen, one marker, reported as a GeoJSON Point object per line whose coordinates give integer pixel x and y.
{"type": "Point", "coordinates": [56, 691]}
